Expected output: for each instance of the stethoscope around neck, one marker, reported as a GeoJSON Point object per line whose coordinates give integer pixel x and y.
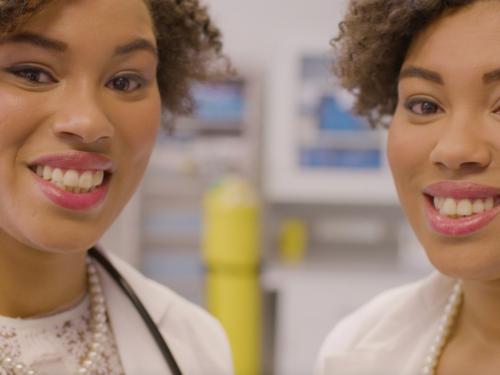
{"type": "Point", "coordinates": [97, 255]}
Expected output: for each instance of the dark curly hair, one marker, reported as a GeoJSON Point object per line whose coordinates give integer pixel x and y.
{"type": "Point", "coordinates": [372, 44]}
{"type": "Point", "coordinates": [187, 39]}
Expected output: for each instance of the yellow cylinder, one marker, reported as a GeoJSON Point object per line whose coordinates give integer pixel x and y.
{"type": "Point", "coordinates": [236, 301]}
{"type": "Point", "coordinates": [231, 254]}
{"type": "Point", "coordinates": [293, 240]}
{"type": "Point", "coordinates": [231, 225]}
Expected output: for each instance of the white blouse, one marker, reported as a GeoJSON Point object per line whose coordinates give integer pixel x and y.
{"type": "Point", "coordinates": [56, 344]}
{"type": "Point", "coordinates": [391, 334]}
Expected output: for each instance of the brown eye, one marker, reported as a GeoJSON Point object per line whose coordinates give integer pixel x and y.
{"type": "Point", "coordinates": [32, 75]}
{"type": "Point", "coordinates": [423, 107]}
{"type": "Point", "coordinates": [126, 83]}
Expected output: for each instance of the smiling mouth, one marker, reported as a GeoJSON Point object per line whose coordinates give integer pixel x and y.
{"type": "Point", "coordinates": [72, 180]}
{"type": "Point", "coordinates": [460, 208]}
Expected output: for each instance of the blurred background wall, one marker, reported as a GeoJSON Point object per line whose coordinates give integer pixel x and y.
{"type": "Point", "coordinates": [330, 232]}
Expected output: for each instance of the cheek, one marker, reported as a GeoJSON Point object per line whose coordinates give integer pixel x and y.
{"type": "Point", "coordinates": [400, 151]}
{"type": "Point", "coordinates": [18, 124]}
{"type": "Point", "coordinates": [408, 156]}
{"type": "Point", "coordinates": [409, 150]}
{"type": "Point", "coordinates": [16, 121]}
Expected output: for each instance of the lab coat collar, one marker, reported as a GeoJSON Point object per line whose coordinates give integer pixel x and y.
{"type": "Point", "coordinates": [403, 360]}
{"type": "Point", "coordinates": [138, 351]}
{"type": "Point", "coordinates": [399, 342]}
{"type": "Point", "coordinates": [357, 363]}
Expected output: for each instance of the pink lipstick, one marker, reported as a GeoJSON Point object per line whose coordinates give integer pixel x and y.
{"type": "Point", "coordinates": [80, 162]}
{"type": "Point", "coordinates": [77, 160]}
{"type": "Point", "coordinates": [459, 226]}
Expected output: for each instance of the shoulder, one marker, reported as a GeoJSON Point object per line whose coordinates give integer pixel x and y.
{"type": "Point", "coordinates": [197, 331]}
{"type": "Point", "coordinates": [384, 320]}
{"type": "Point", "coordinates": [193, 329]}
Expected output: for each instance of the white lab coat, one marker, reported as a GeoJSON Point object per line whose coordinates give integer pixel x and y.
{"type": "Point", "coordinates": [196, 339]}
{"type": "Point", "coordinates": [391, 335]}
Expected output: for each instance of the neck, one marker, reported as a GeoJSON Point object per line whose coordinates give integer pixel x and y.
{"type": "Point", "coordinates": [36, 283]}
{"type": "Point", "coordinates": [479, 316]}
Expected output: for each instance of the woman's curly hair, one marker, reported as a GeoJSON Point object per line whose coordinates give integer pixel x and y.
{"type": "Point", "coordinates": [187, 39]}
{"type": "Point", "coordinates": [372, 44]}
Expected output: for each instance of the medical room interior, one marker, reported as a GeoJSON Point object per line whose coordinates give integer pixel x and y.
{"type": "Point", "coordinates": [271, 206]}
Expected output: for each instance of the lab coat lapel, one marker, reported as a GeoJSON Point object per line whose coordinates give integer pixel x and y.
{"type": "Point", "coordinates": [401, 352]}
{"type": "Point", "coordinates": [357, 363]}
{"type": "Point", "coordinates": [396, 342]}
{"type": "Point", "coordinates": [138, 351]}
{"type": "Point", "coordinates": [376, 362]}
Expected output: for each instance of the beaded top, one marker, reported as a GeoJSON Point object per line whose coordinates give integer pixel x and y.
{"type": "Point", "coordinates": [57, 344]}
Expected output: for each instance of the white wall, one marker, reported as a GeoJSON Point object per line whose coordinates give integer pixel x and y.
{"type": "Point", "coordinates": [255, 29]}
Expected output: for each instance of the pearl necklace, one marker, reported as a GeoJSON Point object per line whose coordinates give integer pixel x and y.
{"type": "Point", "coordinates": [445, 324]}
{"type": "Point", "coordinates": [98, 326]}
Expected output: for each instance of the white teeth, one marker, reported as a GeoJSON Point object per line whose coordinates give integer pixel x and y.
{"type": "Point", "coordinates": [86, 180]}
{"type": "Point", "coordinates": [58, 177]}
{"type": "Point", "coordinates": [47, 172]}
{"type": "Point", "coordinates": [71, 180]}
{"type": "Point", "coordinates": [449, 207]}
{"type": "Point", "coordinates": [462, 207]}
{"type": "Point", "coordinates": [478, 206]}
{"type": "Point", "coordinates": [438, 202]}
{"type": "Point", "coordinates": [489, 203]}
{"type": "Point", "coordinates": [98, 178]}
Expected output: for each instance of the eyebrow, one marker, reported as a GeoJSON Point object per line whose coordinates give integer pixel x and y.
{"type": "Point", "coordinates": [139, 44]}
{"type": "Point", "coordinates": [35, 40]}
{"type": "Point", "coordinates": [413, 71]}
{"type": "Point", "coordinates": [491, 77]}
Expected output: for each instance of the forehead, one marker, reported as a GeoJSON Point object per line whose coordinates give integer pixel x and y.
{"type": "Point", "coordinates": [91, 18]}
{"type": "Point", "coordinates": [465, 38]}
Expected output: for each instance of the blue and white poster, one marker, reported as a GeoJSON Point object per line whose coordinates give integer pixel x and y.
{"type": "Point", "coordinates": [330, 137]}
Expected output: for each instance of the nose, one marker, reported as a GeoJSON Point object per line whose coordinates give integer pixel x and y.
{"type": "Point", "coordinates": [462, 146]}
{"type": "Point", "coordinates": [80, 118]}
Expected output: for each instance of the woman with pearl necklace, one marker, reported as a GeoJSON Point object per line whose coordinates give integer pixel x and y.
{"type": "Point", "coordinates": [430, 71]}
{"type": "Point", "coordinates": [83, 85]}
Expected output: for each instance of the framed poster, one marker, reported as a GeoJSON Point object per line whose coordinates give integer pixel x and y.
{"type": "Point", "coordinates": [316, 151]}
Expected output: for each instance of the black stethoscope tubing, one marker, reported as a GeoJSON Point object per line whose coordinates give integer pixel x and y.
{"type": "Point", "coordinates": [132, 296]}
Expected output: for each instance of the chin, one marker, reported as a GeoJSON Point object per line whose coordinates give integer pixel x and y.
{"type": "Point", "coordinates": [70, 238]}
{"type": "Point", "coordinates": [466, 260]}
{"type": "Point", "coordinates": [63, 246]}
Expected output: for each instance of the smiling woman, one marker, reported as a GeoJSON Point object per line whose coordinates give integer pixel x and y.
{"type": "Point", "coordinates": [82, 88]}
{"type": "Point", "coordinates": [431, 67]}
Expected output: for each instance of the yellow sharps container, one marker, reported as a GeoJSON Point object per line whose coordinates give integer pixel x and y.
{"type": "Point", "coordinates": [231, 254]}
